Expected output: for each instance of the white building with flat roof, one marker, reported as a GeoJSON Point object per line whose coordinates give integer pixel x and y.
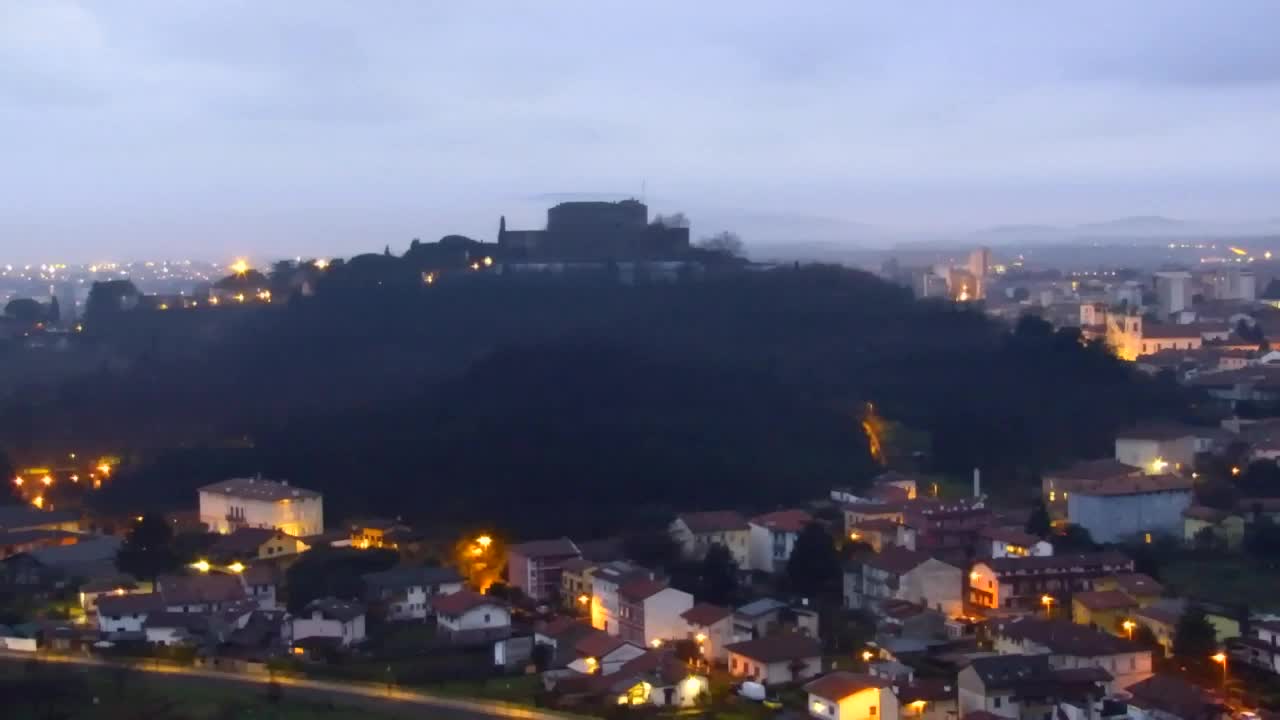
{"type": "Point", "coordinates": [257, 503]}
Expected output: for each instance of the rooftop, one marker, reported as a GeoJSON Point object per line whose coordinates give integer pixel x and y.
{"type": "Point", "coordinates": [336, 609]}
{"type": "Point", "coordinates": [1205, 514]}
{"type": "Point", "coordinates": [1095, 470]}
{"type": "Point", "coordinates": [1104, 600]}
{"type": "Point", "coordinates": [704, 614]}
{"type": "Point", "coordinates": [1138, 584]}
{"type": "Point", "coordinates": [258, 489]}
{"type": "Point", "coordinates": [1082, 561]}
{"type": "Point", "coordinates": [714, 521]}
{"type": "Point", "coordinates": [1138, 485]}
{"type": "Point", "coordinates": [784, 520]}
{"type": "Point", "coordinates": [597, 644]}
{"type": "Point", "coordinates": [117, 605]}
{"type": "Point", "coordinates": [1010, 536]}
{"type": "Point", "coordinates": [640, 589]}
{"type": "Point", "coordinates": [1064, 637]}
{"type": "Point", "coordinates": [836, 686]}
{"type": "Point", "coordinates": [777, 648]}
{"type": "Point", "coordinates": [559, 547]}
{"type": "Point", "coordinates": [1162, 615]}
{"type": "Point", "coordinates": [761, 607]}
{"type": "Point", "coordinates": [196, 589]}
{"type": "Point", "coordinates": [456, 604]}
{"type": "Point", "coordinates": [406, 576]}
{"type": "Point", "coordinates": [22, 517]}
{"type": "Point", "coordinates": [896, 560]}
{"type": "Point", "coordinates": [244, 540]}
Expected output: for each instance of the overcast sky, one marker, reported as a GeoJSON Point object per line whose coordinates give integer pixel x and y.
{"type": "Point", "coordinates": [213, 128]}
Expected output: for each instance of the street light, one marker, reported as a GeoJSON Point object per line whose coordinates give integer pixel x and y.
{"type": "Point", "coordinates": [867, 655]}
{"type": "Point", "coordinates": [201, 565]}
{"type": "Point", "coordinates": [1047, 601]}
{"type": "Point", "coordinates": [1221, 659]}
{"type": "Point", "coordinates": [484, 541]}
{"type": "Point", "coordinates": [1128, 626]}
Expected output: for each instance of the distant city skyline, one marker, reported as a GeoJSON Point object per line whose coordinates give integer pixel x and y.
{"type": "Point", "coordinates": [211, 130]}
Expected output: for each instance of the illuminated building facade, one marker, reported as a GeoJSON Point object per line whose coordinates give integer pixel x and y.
{"type": "Point", "coordinates": [256, 503]}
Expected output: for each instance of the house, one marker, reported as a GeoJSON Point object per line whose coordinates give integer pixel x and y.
{"type": "Point", "coordinates": [598, 652]}
{"type": "Point", "coordinates": [406, 592]}
{"type": "Point", "coordinates": [262, 584]}
{"type": "Point", "coordinates": [696, 532]}
{"type": "Point", "coordinates": [339, 620]}
{"type": "Point", "coordinates": [14, 518]}
{"type": "Point", "coordinates": [1169, 697]}
{"type": "Point", "coordinates": [13, 542]}
{"type": "Point", "coordinates": [1071, 646]}
{"type": "Point", "coordinates": [998, 542]}
{"type": "Point", "coordinates": [575, 585]}
{"type": "Point", "coordinates": [1057, 486]}
{"type": "Point", "coordinates": [204, 593]}
{"type": "Point", "coordinates": [906, 485]}
{"type": "Point", "coordinates": [469, 614]}
{"type": "Point", "coordinates": [561, 634]}
{"type": "Point", "coordinates": [656, 678]}
{"type": "Point", "coordinates": [844, 695]}
{"type": "Point", "coordinates": [1025, 687]}
{"type": "Point", "coordinates": [649, 610]}
{"type": "Point", "coordinates": [1022, 583]}
{"type": "Point", "coordinates": [88, 559]}
{"type": "Point", "coordinates": [772, 538]}
{"type": "Point", "coordinates": [711, 626]}
{"type": "Point", "coordinates": [781, 658]}
{"type": "Point", "coordinates": [258, 503]}
{"type": "Point", "coordinates": [119, 585]}
{"type": "Point", "coordinates": [605, 605]}
{"type": "Point", "coordinates": [168, 628]}
{"type": "Point", "coordinates": [1162, 622]}
{"type": "Point", "coordinates": [384, 533]}
{"type": "Point", "coordinates": [901, 574]}
{"type": "Point", "coordinates": [1103, 609]}
{"type": "Point", "coordinates": [1124, 508]}
{"type": "Point", "coordinates": [1260, 648]}
{"type": "Point", "coordinates": [245, 544]}
{"type": "Point", "coordinates": [127, 613]}
{"type": "Point", "coordinates": [1157, 448]}
{"type": "Point", "coordinates": [1142, 588]}
{"type": "Point", "coordinates": [1225, 527]}
{"type": "Point", "coordinates": [928, 699]}
{"type": "Point", "coordinates": [535, 567]}
{"type": "Point", "coordinates": [948, 529]}
{"type": "Point", "coordinates": [762, 617]}
{"type": "Point", "coordinates": [881, 533]}
{"type": "Point", "coordinates": [857, 513]}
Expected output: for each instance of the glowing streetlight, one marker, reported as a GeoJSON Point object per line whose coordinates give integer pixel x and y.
{"type": "Point", "coordinates": [475, 266]}
{"type": "Point", "coordinates": [38, 501]}
{"type": "Point", "coordinates": [1221, 659]}
{"type": "Point", "coordinates": [1047, 601]}
{"type": "Point", "coordinates": [583, 599]}
{"type": "Point", "coordinates": [484, 541]}
{"type": "Point", "coordinates": [46, 480]}
{"type": "Point", "coordinates": [700, 637]}
{"type": "Point", "coordinates": [104, 468]}
{"type": "Point", "coordinates": [1235, 469]}
{"type": "Point", "coordinates": [18, 481]}
{"type": "Point", "coordinates": [240, 266]}
{"type": "Point", "coordinates": [1158, 465]}
{"type": "Point", "coordinates": [1128, 626]}
{"type": "Point", "coordinates": [236, 567]}
{"type": "Point", "coordinates": [321, 263]}
{"type": "Point", "coordinates": [655, 643]}
{"type": "Point", "coordinates": [488, 261]}
{"type": "Point", "coordinates": [201, 565]}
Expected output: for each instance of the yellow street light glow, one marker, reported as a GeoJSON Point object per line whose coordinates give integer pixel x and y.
{"type": "Point", "coordinates": [118, 591]}
{"type": "Point", "coordinates": [656, 643]}
{"type": "Point", "coordinates": [213, 301]}
{"type": "Point", "coordinates": [1158, 465]}
{"type": "Point", "coordinates": [700, 637]}
{"type": "Point", "coordinates": [321, 263]}
{"type": "Point", "coordinates": [1238, 251]}
{"type": "Point", "coordinates": [1219, 658]}
{"type": "Point", "coordinates": [46, 480]}
{"type": "Point", "coordinates": [488, 261]}
{"type": "Point", "coordinates": [236, 567]}
{"type": "Point", "coordinates": [38, 501]}
{"type": "Point", "coordinates": [867, 655]}
{"type": "Point", "coordinates": [854, 536]}
{"type": "Point", "coordinates": [240, 266]}
{"type": "Point", "coordinates": [201, 565]}
{"type": "Point", "coordinates": [75, 478]}
{"type": "Point", "coordinates": [975, 575]}
{"type": "Point", "coordinates": [1267, 255]}
{"type": "Point", "coordinates": [484, 541]}
{"type": "Point", "coordinates": [583, 599]}
{"type": "Point", "coordinates": [104, 468]}
{"type": "Point", "coordinates": [18, 481]}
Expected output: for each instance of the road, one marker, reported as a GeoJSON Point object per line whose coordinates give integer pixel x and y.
{"type": "Point", "coordinates": [387, 699]}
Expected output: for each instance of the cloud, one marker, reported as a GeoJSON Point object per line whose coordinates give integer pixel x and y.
{"type": "Point", "coordinates": [249, 123]}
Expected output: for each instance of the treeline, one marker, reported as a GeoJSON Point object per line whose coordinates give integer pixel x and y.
{"type": "Point", "coordinates": [581, 405]}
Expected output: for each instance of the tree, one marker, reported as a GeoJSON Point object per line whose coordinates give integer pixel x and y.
{"type": "Point", "coordinates": [724, 243]}
{"type": "Point", "coordinates": [718, 578]}
{"type": "Point", "coordinates": [1074, 539]}
{"type": "Point", "coordinates": [814, 567]}
{"type": "Point", "coordinates": [1039, 523]}
{"type": "Point", "coordinates": [9, 495]}
{"type": "Point", "coordinates": [1146, 637]}
{"type": "Point", "coordinates": [1195, 640]}
{"type": "Point", "coordinates": [337, 572]}
{"type": "Point", "coordinates": [24, 310]}
{"type": "Point", "coordinates": [654, 549]}
{"type": "Point", "coordinates": [147, 551]}
{"type": "Point", "coordinates": [108, 298]}
{"type": "Point", "coordinates": [674, 220]}
{"type": "Point", "coordinates": [1262, 541]}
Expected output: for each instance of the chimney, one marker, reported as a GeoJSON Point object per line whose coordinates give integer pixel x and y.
{"type": "Point", "coordinates": [977, 483]}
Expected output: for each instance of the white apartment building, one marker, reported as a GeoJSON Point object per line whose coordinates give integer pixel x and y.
{"type": "Point", "coordinates": [257, 503]}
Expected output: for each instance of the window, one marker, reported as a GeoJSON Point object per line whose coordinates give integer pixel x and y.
{"type": "Point", "coordinates": [486, 618]}
{"type": "Point", "coordinates": [871, 711]}
{"type": "Point", "coordinates": [996, 702]}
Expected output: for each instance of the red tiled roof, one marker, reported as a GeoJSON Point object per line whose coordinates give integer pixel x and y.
{"type": "Point", "coordinates": [194, 589]}
{"type": "Point", "coordinates": [640, 589]}
{"type": "Point", "coordinates": [116, 605]}
{"type": "Point", "coordinates": [839, 685]}
{"type": "Point", "coordinates": [559, 547]}
{"type": "Point", "coordinates": [1010, 536]}
{"type": "Point", "coordinates": [560, 625]}
{"type": "Point", "coordinates": [1138, 485]}
{"type": "Point", "coordinates": [1086, 561]}
{"type": "Point", "coordinates": [705, 614]}
{"type": "Point", "coordinates": [1062, 637]}
{"type": "Point", "coordinates": [1104, 600]}
{"type": "Point", "coordinates": [1138, 584]}
{"type": "Point", "coordinates": [777, 648]}
{"type": "Point", "coordinates": [929, 689]}
{"type": "Point", "coordinates": [784, 520]}
{"type": "Point", "coordinates": [1161, 615]}
{"type": "Point", "coordinates": [597, 644]}
{"type": "Point", "coordinates": [455, 604]}
{"type": "Point", "coordinates": [1178, 332]}
{"type": "Point", "coordinates": [714, 521]}
{"type": "Point", "coordinates": [896, 560]}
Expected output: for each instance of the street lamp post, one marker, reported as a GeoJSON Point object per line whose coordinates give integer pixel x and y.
{"type": "Point", "coordinates": [1128, 626]}
{"type": "Point", "coordinates": [1221, 659]}
{"type": "Point", "coordinates": [1047, 601]}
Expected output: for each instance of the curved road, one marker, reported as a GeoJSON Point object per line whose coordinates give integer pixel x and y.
{"type": "Point", "coordinates": [396, 700]}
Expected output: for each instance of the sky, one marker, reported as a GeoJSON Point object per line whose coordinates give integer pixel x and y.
{"type": "Point", "coordinates": [134, 129]}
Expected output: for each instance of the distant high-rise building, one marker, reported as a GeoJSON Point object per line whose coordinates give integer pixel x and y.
{"type": "Point", "coordinates": [1173, 292]}
{"type": "Point", "coordinates": [979, 263]}
{"type": "Point", "coordinates": [1234, 284]}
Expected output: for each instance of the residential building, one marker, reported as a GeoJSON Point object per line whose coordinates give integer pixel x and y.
{"type": "Point", "coordinates": [650, 610]}
{"type": "Point", "coordinates": [262, 584]}
{"type": "Point", "coordinates": [26, 517]}
{"type": "Point", "coordinates": [711, 626]}
{"type": "Point", "coordinates": [119, 585]}
{"type": "Point", "coordinates": [468, 613]}
{"type": "Point", "coordinates": [605, 603]}
{"type": "Point", "coordinates": [1225, 527]}
{"type": "Point", "coordinates": [1173, 292]}
{"type": "Point", "coordinates": [844, 695]}
{"type": "Point", "coordinates": [781, 658]}
{"type": "Point", "coordinates": [767, 616]}
{"type": "Point", "coordinates": [1070, 646]}
{"type": "Point", "coordinates": [882, 533]}
{"type": "Point", "coordinates": [655, 678]}
{"type": "Point", "coordinates": [772, 538]}
{"type": "Point", "coordinates": [1106, 610]}
{"type": "Point", "coordinates": [384, 533]}
{"type": "Point", "coordinates": [1142, 588]}
{"type": "Point", "coordinates": [600, 653]}
{"type": "Point", "coordinates": [999, 542]}
{"type": "Point", "coordinates": [245, 544]}
{"type": "Point", "coordinates": [1022, 583]}
{"type": "Point", "coordinates": [127, 613]}
{"type": "Point", "coordinates": [1157, 449]}
{"type": "Point", "coordinates": [1026, 687]}
{"type": "Point", "coordinates": [167, 629]}
{"type": "Point", "coordinates": [257, 503]}
{"type": "Point", "coordinates": [1162, 622]}
{"type": "Point", "coordinates": [1057, 486]}
{"type": "Point", "coordinates": [1260, 648]}
{"type": "Point", "coordinates": [948, 529]}
{"type": "Point", "coordinates": [535, 567]}
{"type": "Point", "coordinates": [859, 512]}
{"type": "Point", "coordinates": [407, 592]}
{"type": "Point", "coordinates": [1135, 507]}
{"type": "Point", "coordinates": [902, 574]}
{"type": "Point", "coordinates": [696, 532]}
{"type": "Point", "coordinates": [340, 620]}
{"type": "Point", "coordinates": [1171, 697]}
{"type": "Point", "coordinates": [928, 699]}
{"type": "Point", "coordinates": [198, 594]}
{"type": "Point", "coordinates": [575, 585]}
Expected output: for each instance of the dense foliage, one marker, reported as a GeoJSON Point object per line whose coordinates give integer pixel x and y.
{"type": "Point", "coordinates": [562, 406]}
